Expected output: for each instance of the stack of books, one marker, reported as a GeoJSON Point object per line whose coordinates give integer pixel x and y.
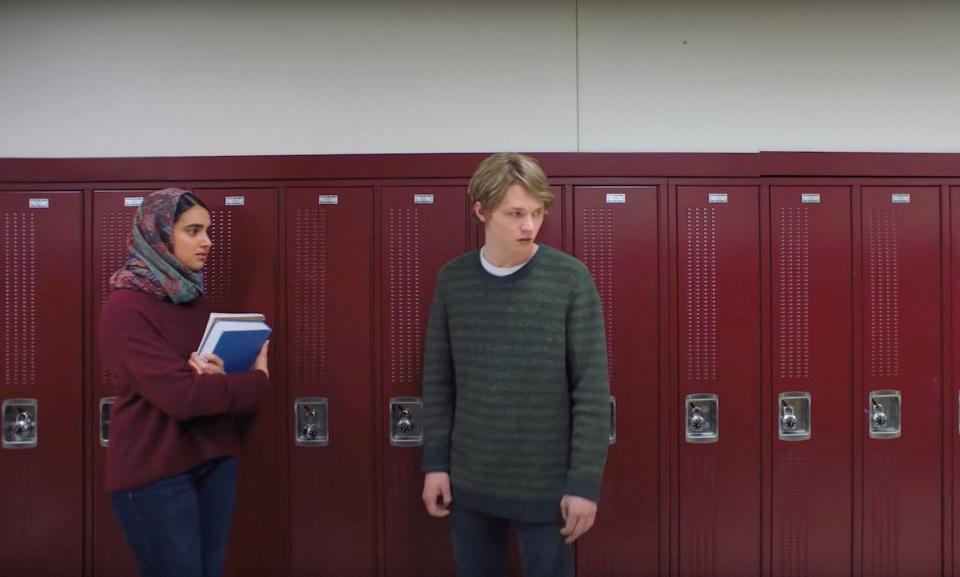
{"type": "Point", "coordinates": [236, 338]}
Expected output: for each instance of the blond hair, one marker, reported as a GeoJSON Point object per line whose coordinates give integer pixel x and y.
{"type": "Point", "coordinates": [502, 170]}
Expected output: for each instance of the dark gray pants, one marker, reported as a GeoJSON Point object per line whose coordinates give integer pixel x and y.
{"type": "Point", "coordinates": [480, 546]}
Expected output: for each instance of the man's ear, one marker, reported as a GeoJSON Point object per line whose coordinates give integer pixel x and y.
{"type": "Point", "coordinates": [478, 210]}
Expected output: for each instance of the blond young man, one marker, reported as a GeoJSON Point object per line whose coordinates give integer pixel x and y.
{"type": "Point", "coordinates": [515, 389]}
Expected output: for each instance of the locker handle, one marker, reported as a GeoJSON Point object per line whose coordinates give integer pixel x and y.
{"type": "Point", "coordinates": [886, 414]}
{"type": "Point", "coordinates": [406, 422]}
{"type": "Point", "coordinates": [20, 427]}
{"type": "Point", "coordinates": [105, 404]}
{"type": "Point", "coordinates": [311, 421]}
{"type": "Point", "coordinates": [613, 421]}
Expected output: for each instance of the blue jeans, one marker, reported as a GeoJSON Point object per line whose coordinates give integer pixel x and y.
{"type": "Point", "coordinates": [480, 546]}
{"type": "Point", "coordinates": [179, 526]}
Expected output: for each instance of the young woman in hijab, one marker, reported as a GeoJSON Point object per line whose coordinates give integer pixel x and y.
{"type": "Point", "coordinates": [171, 463]}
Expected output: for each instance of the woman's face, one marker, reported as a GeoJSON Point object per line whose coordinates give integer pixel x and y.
{"type": "Point", "coordinates": [190, 238]}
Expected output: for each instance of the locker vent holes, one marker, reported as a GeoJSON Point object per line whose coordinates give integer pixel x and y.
{"type": "Point", "coordinates": [880, 515]}
{"type": "Point", "coordinates": [701, 276]}
{"type": "Point", "coordinates": [598, 256]}
{"type": "Point", "coordinates": [403, 276]}
{"type": "Point", "coordinates": [114, 229]}
{"type": "Point", "coordinates": [310, 295]}
{"type": "Point", "coordinates": [883, 271]}
{"type": "Point", "coordinates": [699, 541]}
{"type": "Point", "coordinates": [794, 297]}
{"type": "Point", "coordinates": [794, 535]}
{"type": "Point", "coordinates": [20, 306]}
{"type": "Point", "coordinates": [216, 274]}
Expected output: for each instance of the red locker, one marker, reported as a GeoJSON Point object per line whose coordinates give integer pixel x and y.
{"type": "Point", "coordinates": [41, 354]}
{"type": "Point", "coordinates": [812, 340]}
{"type": "Point", "coordinates": [616, 234]}
{"type": "Point", "coordinates": [329, 326]}
{"type": "Point", "coordinates": [240, 276]}
{"type": "Point", "coordinates": [112, 220]}
{"type": "Point", "coordinates": [718, 324]}
{"type": "Point", "coordinates": [421, 228]}
{"type": "Point", "coordinates": [953, 469]}
{"type": "Point", "coordinates": [901, 292]}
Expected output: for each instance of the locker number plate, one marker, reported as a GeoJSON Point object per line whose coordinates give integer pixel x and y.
{"type": "Point", "coordinates": [616, 198]}
{"type": "Point", "coordinates": [717, 198]}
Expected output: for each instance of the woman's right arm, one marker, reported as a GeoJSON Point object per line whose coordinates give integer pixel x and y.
{"type": "Point", "coordinates": [139, 360]}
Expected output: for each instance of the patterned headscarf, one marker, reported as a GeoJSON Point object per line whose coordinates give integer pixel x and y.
{"type": "Point", "coordinates": [152, 267]}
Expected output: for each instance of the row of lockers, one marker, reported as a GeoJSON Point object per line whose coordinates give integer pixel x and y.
{"type": "Point", "coordinates": [779, 362]}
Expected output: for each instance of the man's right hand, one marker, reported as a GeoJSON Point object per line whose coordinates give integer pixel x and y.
{"type": "Point", "coordinates": [436, 493]}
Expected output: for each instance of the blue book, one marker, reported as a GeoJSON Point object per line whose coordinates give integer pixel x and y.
{"type": "Point", "coordinates": [236, 339]}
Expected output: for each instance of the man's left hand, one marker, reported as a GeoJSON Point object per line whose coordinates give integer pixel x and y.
{"type": "Point", "coordinates": [579, 514]}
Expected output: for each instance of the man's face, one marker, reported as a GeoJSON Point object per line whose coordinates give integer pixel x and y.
{"type": "Point", "coordinates": [512, 226]}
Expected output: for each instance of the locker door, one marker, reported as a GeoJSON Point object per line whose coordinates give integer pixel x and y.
{"type": "Point", "coordinates": [112, 220]}
{"type": "Point", "coordinates": [812, 340]}
{"type": "Point", "coordinates": [41, 462]}
{"type": "Point", "coordinates": [241, 276]}
{"type": "Point", "coordinates": [954, 401]}
{"type": "Point", "coordinates": [901, 352]}
{"type": "Point", "coordinates": [719, 354]}
{"type": "Point", "coordinates": [329, 311]}
{"type": "Point", "coordinates": [421, 229]}
{"type": "Point", "coordinates": [616, 236]}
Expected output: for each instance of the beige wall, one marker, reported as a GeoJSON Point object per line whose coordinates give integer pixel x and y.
{"type": "Point", "coordinates": [206, 77]}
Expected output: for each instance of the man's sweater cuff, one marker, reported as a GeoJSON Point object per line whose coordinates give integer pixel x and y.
{"type": "Point", "coordinates": [435, 459]}
{"type": "Point", "coordinates": [587, 489]}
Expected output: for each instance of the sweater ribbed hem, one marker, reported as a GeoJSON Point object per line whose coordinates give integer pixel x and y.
{"type": "Point", "coordinates": [435, 459]}
{"type": "Point", "coordinates": [528, 512]}
{"type": "Point", "coordinates": [582, 488]}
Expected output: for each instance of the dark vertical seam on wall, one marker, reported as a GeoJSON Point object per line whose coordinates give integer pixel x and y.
{"type": "Point", "coordinates": [576, 35]}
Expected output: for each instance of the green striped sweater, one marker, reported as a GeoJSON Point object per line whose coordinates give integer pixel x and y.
{"type": "Point", "coordinates": [515, 391]}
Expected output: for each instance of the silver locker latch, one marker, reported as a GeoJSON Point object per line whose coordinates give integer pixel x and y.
{"type": "Point", "coordinates": [703, 418]}
{"type": "Point", "coordinates": [105, 404]}
{"type": "Point", "coordinates": [884, 412]}
{"type": "Point", "coordinates": [794, 416]}
{"type": "Point", "coordinates": [19, 423]}
{"type": "Point", "coordinates": [613, 419]}
{"type": "Point", "coordinates": [406, 421]}
{"type": "Point", "coordinates": [311, 422]}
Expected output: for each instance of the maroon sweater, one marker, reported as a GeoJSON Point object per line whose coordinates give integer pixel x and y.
{"type": "Point", "coordinates": [166, 418]}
